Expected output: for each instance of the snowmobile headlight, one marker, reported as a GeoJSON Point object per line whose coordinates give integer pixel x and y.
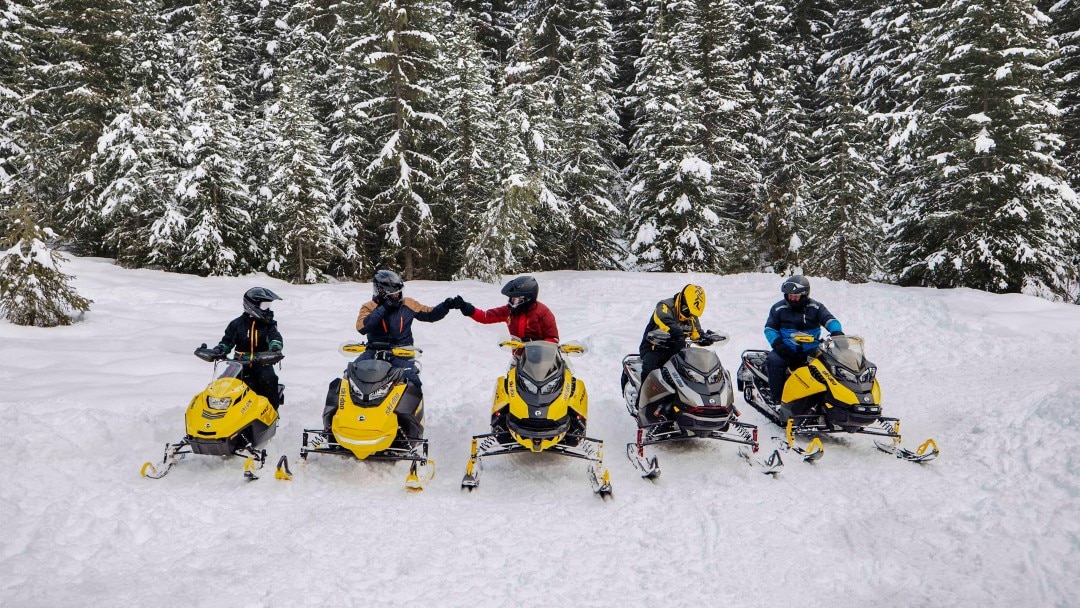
{"type": "Point", "coordinates": [527, 385]}
{"type": "Point", "coordinates": [844, 374]}
{"type": "Point", "coordinates": [550, 387]}
{"type": "Point", "coordinates": [218, 403]}
{"type": "Point", "coordinates": [868, 375]}
{"type": "Point", "coordinates": [379, 393]}
{"type": "Point", "coordinates": [693, 375]}
{"type": "Point", "coordinates": [715, 376]}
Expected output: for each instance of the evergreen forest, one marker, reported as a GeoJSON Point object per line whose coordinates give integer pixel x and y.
{"type": "Point", "coordinates": [917, 142]}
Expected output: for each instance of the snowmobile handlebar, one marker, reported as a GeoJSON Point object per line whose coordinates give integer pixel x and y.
{"type": "Point", "coordinates": [267, 357]}
{"type": "Point", "coordinates": [382, 350]}
{"type": "Point", "coordinates": [662, 338]}
{"type": "Point", "coordinates": [571, 349]}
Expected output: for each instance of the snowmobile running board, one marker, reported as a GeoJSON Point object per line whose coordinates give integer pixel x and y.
{"type": "Point", "coordinates": [413, 451]}
{"type": "Point", "coordinates": [744, 434]}
{"type": "Point", "coordinates": [587, 449]}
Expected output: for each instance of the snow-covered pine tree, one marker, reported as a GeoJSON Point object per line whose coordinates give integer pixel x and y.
{"type": "Point", "coordinates": [1066, 68]}
{"type": "Point", "coordinates": [492, 23]}
{"type": "Point", "coordinates": [405, 120]}
{"type": "Point", "coordinates": [217, 236]}
{"type": "Point", "coordinates": [134, 161]}
{"type": "Point", "coordinates": [779, 140]}
{"type": "Point", "coordinates": [982, 201]}
{"type": "Point", "coordinates": [589, 142]}
{"type": "Point", "coordinates": [673, 225]}
{"type": "Point", "coordinates": [13, 108]}
{"type": "Point", "coordinates": [469, 175]}
{"type": "Point", "coordinates": [720, 84]}
{"type": "Point", "coordinates": [842, 227]}
{"type": "Point", "coordinates": [628, 25]}
{"type": "Point", "coordinates": [349, 96]}
{"type": "Point", "coordinates": [33, 289]}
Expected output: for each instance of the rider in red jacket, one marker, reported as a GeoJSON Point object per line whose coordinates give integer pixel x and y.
{"type": "Point", "coordinates": [525, 317]}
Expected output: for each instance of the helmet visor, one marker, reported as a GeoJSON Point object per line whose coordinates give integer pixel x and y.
{"type": "Point", "coordinates": [394, 295]}
{"type": "Point", "coordinates": [517, 301]}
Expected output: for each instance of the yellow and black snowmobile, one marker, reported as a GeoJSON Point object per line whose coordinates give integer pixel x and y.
{"type": "Point", "coordinates": [375, 415]}
{"type": "Point", "coordinates": [227, 418]}
{"type": "Point", "coordinates": [540, 406]}
{"type": "Point", "coordinates": [836, 392]}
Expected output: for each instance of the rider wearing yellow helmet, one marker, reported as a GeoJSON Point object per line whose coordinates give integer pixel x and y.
{"type": "Point", "coordinates": [674, 320]}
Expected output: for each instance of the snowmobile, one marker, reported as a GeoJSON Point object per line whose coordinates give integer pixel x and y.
{"type": "Point", "coordinates": [227, 418]}
{"type": "Point", "coordinates": [836, 392]}
{"type": "Point", "coordinates": [379, 415]}
{"type": "Point", "coordinates": [692, 393]}
{"type": "Point", "coordinates": [539, 406]}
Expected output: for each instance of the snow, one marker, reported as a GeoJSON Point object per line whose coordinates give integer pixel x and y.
{"type": "Point", "coordinates": [983, 142]}
{"type": "Point", "coordinates": [993, 522]}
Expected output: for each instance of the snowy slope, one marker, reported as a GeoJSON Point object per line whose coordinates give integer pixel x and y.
{"type": "Point", "coordinates": [994, 521]}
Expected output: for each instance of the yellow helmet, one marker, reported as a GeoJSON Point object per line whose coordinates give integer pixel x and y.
{"type": "Point", "coordinates": [690, 302]}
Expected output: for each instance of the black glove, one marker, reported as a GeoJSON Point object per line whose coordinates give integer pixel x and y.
{"type": "Point", "coordinates": [781, 348]}
{"type": "Point", "coordinates": [836, 333]}
{"type": "Point", "coordinates": [466, 308]}
{"type": "Point", "coordinates": [449, 303]}
{"type": "Point", "coordinates": [219, 349]}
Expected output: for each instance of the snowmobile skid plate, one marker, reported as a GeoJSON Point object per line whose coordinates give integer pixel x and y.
{"type": "Point", "coordinates": [587, 448]}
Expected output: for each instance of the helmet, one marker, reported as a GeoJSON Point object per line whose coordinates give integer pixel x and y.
{"type": "Point", "coordinates": [690, 302]}
{"type": "Point", "coordinates": [257, 303]}
{"type": "Point", "coordinates": [388, 286]}
{"type": "Point", "coordinates": [796, 286]}
{"type": "Point", "coordinates": [522, 292]}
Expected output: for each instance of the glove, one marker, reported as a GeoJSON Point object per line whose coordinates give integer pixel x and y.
{"type": "Point", "coordinates": [449, 303]}
{"type": "Point", "coordinates": [711, 337]}
{"type": "Point", "coordinates": [275, 346]}
{"type": "Point", "coordinates": [220, 349]}
{"type": "Point", "coordinates": [781, 348]}
{"type": "Point", "coordinates": [465, 308]}
{"type": "Point", "coordinates": [836, 333]}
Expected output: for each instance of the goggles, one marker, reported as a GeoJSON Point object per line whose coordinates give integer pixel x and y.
{"type": "Point", "coordinates": [264, 305]}
{"type": "Point", "coordinates": [517, 300]}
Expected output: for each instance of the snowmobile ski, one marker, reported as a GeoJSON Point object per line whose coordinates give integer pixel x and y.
{"type": "Point", "coordinates": [600, 479]}
{"type": "Point", "coordinates": [420, 472]}
{"type": "Point", "coordinates": [813, 450]}
{"type": "Point", "coordinates": [769, 466]}
{"type": "Point", "coordinates": [585, 448]}
{"type": "Point", "coordinates": [173, 453]}
{"type": "Point", "coordinates": [282, 470]}
{"type": "Point", "coordinates": [926, 451]}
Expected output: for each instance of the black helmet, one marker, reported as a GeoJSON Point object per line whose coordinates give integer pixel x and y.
{"type": "Point", "coordinates": [388, 286]}
{"type": "Point", "coordinates": [796, 285]}
{"type": "Point", "coordinates": [522, 292]}
{"type": "Point", "coordinates": [257, 303]}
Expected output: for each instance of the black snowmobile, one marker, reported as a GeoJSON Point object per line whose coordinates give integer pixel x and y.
{"type": "Point", "coordinates": [689, 397]}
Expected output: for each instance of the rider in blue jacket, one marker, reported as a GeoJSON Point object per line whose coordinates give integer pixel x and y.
{"type": "Point", "coordinates": [796, 313]}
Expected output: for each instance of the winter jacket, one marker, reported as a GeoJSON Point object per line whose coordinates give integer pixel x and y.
{"type": "Point", "coordinates": [393, 326]}
{"type": "Point", "coordinates": [250, 335]}
{"type": "Point", "coordinates": [784, 321]}
{"type": "Point", "coordinates": [535, 323]}
{"type": "Point", "coordinates": [666, 319]}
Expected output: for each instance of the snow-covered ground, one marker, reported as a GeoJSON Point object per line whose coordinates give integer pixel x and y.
{"type": "Point", "coordinates": [995, 521]}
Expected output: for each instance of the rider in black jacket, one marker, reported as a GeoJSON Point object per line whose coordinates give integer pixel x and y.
{"type": "Point", "coordinates": [255, 331]}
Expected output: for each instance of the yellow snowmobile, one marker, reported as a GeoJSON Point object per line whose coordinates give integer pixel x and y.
{"type": "Point", "coordinates": [227, 418]}
{"type": "Point", "coordinates": [540, 406]}
{"type": "Point", "coordinates": [377, 415]}
{"type": "Point", "coordinates": [836, 392]}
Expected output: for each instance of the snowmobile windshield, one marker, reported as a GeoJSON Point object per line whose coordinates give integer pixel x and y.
{"type": "Point", "coordinates": [540, 361]}
{"type": "Point", "coordinates": [700, 359]}
{"type": "Point", "coordinates": [848, 352]}
{"type": "Point", "coordinates": [232, 369]}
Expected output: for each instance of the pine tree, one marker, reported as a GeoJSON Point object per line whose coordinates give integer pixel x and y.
{"type": "Point", "coordinates": [673, 226]}
{"type": "Point", "coordinates": [1066, 68]}
{"type": "Point", "coordinates": [33, 289]}
{"type": "Point", "coordinates": [215, 234]}
{"type": "Point", "coordinates": [982, 201]}
{"type": "Point", "coordinates": [405, 120]}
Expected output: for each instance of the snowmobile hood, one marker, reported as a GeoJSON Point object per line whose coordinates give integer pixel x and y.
{"type": "Point", "coordinates": [541, 361]}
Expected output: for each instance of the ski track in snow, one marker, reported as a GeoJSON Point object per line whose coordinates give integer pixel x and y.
{"type": "Point", "coordinates": [994, 521]}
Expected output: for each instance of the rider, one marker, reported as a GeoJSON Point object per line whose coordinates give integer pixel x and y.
{"type": "Point", "coordinates": [387, 322]}
{"type": "Point", "coordinates": [673, 321]}
{"type": "Point", "coordinates": [255, 331]}
{"type": "Point", "coordinates": [527, 318]}
{"type": "Point", "coordinates": [796, 313]}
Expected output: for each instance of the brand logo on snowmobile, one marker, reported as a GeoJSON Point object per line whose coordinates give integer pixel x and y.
{"type": "Point", "coordinates": [866, 398]}
{"type": "Point", "coordinates": [207, 425]}
{"type": "Point", "coordinates": [360, 418]}
{"type": "Point", "coordinates": [538, 413]}
{"type": "Point", "coordinates": [712, 400]}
